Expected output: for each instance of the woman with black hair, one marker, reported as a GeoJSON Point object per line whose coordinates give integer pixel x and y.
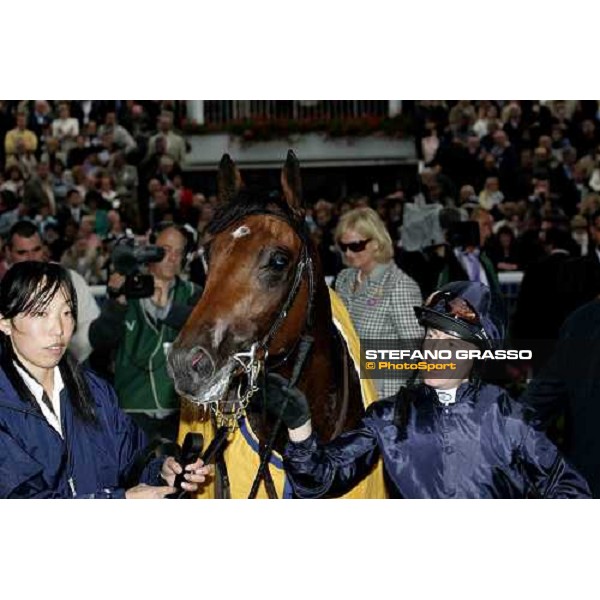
{"type": "Point", "coordinates": [448, 437]}
{"type": "Point", "coordinates": [62, 434]}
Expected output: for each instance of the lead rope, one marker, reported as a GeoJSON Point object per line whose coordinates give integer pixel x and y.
{"type": "Point", "coordinates": [306, 342]}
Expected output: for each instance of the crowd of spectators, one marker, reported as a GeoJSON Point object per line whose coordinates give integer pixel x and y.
{"type": "Point", "coordinates": [525, 162]}
{"type": "Point", "coordinates": [85, 171]}
{"type": "Point", "coordinates": [526, 172]}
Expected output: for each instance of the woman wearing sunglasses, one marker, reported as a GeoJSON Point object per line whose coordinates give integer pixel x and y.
{"type": "Point", "coordinates": [378, 295]}
{"type": "Point", "coordinates": [447, 437]}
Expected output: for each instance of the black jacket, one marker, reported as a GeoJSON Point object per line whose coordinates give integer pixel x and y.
{"type": "Point", "coordinates": [480, 447]}
{"type": "Point", "coordinates": [569, 387]}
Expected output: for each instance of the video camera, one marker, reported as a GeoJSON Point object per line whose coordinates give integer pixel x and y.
{"type": "Point", "coordinates": [127, 257]}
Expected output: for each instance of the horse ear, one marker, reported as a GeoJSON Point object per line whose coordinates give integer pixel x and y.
{"type": "Point", "coordinates": [229, 180]}
{"type": "Point", "coordinates": [291, 183]}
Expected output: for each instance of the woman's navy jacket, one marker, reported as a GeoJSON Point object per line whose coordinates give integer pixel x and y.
{"type": "Point", "coordinates": [479, 447]}
{"type": "Point", "coordinates": [35, 462]}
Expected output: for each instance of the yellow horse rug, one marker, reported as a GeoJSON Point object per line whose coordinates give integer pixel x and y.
{"type": "Point", "coordinates": [241, 453]}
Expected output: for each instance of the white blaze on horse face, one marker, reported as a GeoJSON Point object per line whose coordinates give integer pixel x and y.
{"type": "Point", "coordinates": [219, 331]}
{"type": "Point", "coordinates": [241, 232]}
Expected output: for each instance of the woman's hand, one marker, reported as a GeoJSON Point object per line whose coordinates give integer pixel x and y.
{"type": "Point", "coordinates": [148, 492]}
{"type": "Point", "coordinates": [195, 473]}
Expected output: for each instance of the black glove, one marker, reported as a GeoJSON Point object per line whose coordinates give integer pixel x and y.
{"type": "Point", "coordinates": [296, 412]}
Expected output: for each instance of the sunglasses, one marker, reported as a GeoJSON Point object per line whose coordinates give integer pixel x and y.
{"type": "Point", "coordinates": [354, 246]}
{"type": "Point", "coordinates": [457, 307]}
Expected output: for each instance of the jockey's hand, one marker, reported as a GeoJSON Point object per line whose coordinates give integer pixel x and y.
{"type": "Point", "coordinates": [296, 412]}
{"type": "Point", "coordinates": [194, 474]}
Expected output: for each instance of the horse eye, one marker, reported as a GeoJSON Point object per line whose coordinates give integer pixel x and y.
{"type": "Point", "coordinates": [278, 261]}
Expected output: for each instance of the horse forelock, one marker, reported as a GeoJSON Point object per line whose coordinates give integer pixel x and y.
{"type": "Point", "coordinates": [252, 202]}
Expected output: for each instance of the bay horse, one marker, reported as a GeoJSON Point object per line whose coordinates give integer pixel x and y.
{"type": "Point", "coordinates": [265, 307]}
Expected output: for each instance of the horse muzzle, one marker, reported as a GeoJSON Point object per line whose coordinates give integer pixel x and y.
{"type": "Point", "coordinates": [195, 376]}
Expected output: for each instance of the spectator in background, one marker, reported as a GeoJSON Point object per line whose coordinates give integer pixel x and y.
{"type": "Point", "coordinates": [40, 120]}
{"type": "Point", "coordinates": [61, 182]}
{"type": "Point", "coordinates": [115, 225]}
{"type": "Point", "coordinates": [468, 259]}
{"type": "Point", "coordinates": [467, 201]}
{"type": "Point", "coordinates": [11, 210]}
{"type": "Point", "coordinates": [430, 142]}
{"type": "Point", "coordinates": [378, 295]}
{"type": "Point", "coordinates": [579, 232]}
{"type": "Point", "coordinates": [325, 222]}
{"type": "Point", "coordinates": [87, 111]}
{"type": "Point", "coordinates": [162, 206]}
{"type": "Point", "coordinates": [513, 125]}
{"type": "Point", "coordinates": [39, 191]}
{"type": "Point", "coordinates": [53, 153]}
{"type": "Point", "coordinates": [542, 306]}
{"type": "Point", "coordinates": [175, 144]}
{"type": "Point", "coordinates": [134, 119]}
{"type": "Point", "coordinates": [14, 181]}
{"type": "Point", "coordinates": [84, 258]}
{"type": "Point", "coordinates": [91, 134]}
{"type": "Point", "coordinates": [207, 211]}
{"type": "Point", "coordinates": [126, 182]}
{"type": "Point", "coordinates": [72, 209]}
{"type": "Point", "coordinates": [507, 162]}
{"type": "Point", "coordinates": [121, 138]}
{"type": "Point", "coordinates": [65, 128]}
{"type": "Point", "coordinates": [503, 251]}
{"type": "Point", "coordinates": [486, 113]}
{"type": "Point", "coordinates": [491, 196]}
{"type": "Point", "coordinates": [107, 190]}
{"type": "Point", "coordinates": [78, 154]}
{"type": "Point", "coordinates": [24, 159]}
{"type": "Point", "coordinates": [54, 242]}
{"type": "Point", "coordinates": [20, 133]}
{"type": "Point", "coordinates": [566, 390]}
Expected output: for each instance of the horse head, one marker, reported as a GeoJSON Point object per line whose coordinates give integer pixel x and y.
{"type": "Point", "coordinates": [258, 290]}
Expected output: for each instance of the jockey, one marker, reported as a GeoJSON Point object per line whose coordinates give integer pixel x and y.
{"type": "Point", "coordinates": [442, 438]}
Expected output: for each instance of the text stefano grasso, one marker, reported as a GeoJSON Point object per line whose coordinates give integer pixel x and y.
{"type": "Point", "coordinates": [448, 354]}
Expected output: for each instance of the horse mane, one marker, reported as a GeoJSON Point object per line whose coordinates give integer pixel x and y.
{"type": "Point", "coordinates": [254, 201]}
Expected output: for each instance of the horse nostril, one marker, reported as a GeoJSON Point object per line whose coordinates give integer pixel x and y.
{"type": "Point", "coordinates": [201, 363]}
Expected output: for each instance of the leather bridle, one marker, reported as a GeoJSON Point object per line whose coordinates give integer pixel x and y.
{"type": "Point", "coordinates": [254, 361]}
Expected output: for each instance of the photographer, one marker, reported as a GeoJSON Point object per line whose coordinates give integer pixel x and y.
{"type": "Point", "coordinates": [140, 329]}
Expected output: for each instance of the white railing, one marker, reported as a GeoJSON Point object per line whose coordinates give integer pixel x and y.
{"type": "Point", "coordinates": [222, 112]}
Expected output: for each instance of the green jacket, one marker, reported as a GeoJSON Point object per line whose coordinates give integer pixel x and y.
{"type": "Point", "coordinates": [141, 378]}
